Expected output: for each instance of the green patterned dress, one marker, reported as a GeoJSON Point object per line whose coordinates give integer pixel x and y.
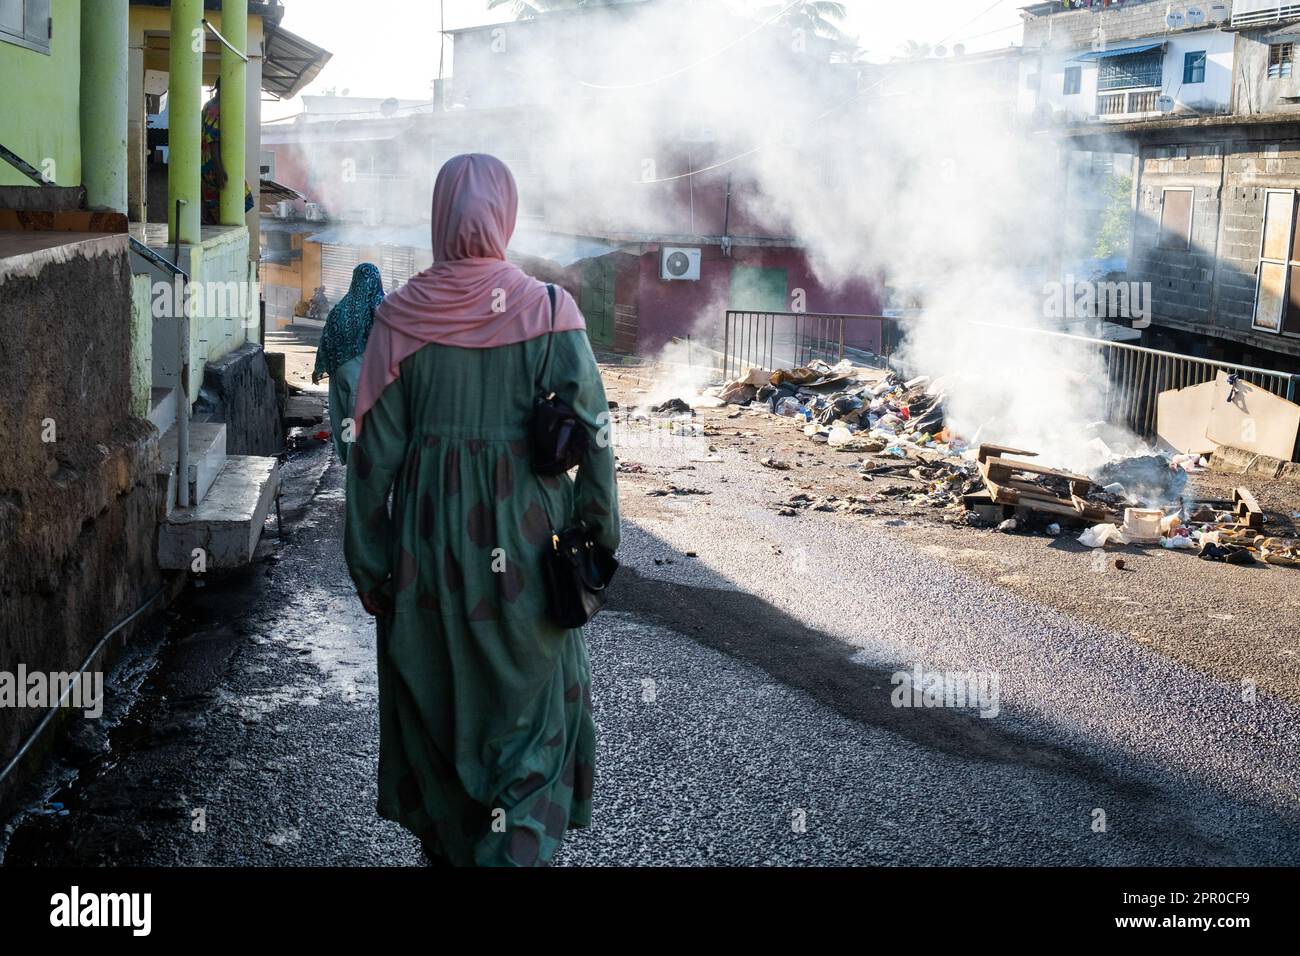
{"type": "Point", "coordinates": [487, 743]}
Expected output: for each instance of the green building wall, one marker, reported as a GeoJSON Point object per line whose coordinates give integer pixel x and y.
{"type": "Point", "coordinates": [40, 109]}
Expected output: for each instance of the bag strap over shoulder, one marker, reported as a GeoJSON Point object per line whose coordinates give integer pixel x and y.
{"type": "Point", "coordinates": [546, 361]}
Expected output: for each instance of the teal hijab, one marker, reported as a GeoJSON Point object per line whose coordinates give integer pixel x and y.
{"type": "Point", "coordinates": [348, 326]}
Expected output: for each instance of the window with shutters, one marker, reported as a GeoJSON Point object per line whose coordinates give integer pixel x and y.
{"type": "Point", "coordinates": [1277, 287]}
{"type": "Point", "coordinates": [1132, 71]}
{"type": "Point", "coordinates": [1279, 60]}
{"type": "Point", "coordinates": [1176, 219]}
{"type": "Point", "coordinates": [26, 23]}
{"type": "Point", "coordinates": [1073, 80]}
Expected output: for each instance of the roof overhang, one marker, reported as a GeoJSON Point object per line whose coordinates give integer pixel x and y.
{"type": "Point", "coordinates": [289, 63]}
{"type": "Point", "coordinates": [1118, 51]}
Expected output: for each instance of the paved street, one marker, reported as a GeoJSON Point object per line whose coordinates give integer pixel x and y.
{"type": "Point", "coordinates": [743, 704]}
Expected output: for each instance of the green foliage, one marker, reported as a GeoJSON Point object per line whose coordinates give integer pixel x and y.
{"type": "Point", "coordinates": [1112, 237]}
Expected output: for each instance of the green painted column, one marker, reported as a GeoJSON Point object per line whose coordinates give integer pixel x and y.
{"type": "Point", "coordinates": [234, 103]}
{"type": "Point", "coordinates": [104, 29]}
{"type": "Point", "coordinates": [184, 114]}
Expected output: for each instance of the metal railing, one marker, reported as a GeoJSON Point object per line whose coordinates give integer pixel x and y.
{"type": "Point", "coordinates": [1256, 12]}
{"type": "Point", "coordinates": [1136, 375]}
{"type": "Point", "coordinates": [793, 339]}
{"type": "Point", "coordinates": [24, 167]}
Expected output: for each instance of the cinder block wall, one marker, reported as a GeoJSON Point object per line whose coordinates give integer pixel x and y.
{"type": "Point", "coordinates": [1211, 287]}
{"type": "Point", "coordinates": [1078, 28]}
{"type": "Point", "coordinates": [1182, 280]}
{"type": "Point", "coordinates": [78, 515]}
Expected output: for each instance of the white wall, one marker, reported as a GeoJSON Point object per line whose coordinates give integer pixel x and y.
{"type": "Point", "coordinates": [1212, 96]}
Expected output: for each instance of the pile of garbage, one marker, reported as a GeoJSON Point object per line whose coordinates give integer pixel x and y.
{"type": "Point", "coordinates": [1230, 532]}
{"type": "Point", "coordinates": [1141, 499]}
{"type": "Point", "coordinates": [852, 409]}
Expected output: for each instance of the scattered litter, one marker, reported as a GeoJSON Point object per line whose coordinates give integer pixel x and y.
{"type": "Point", "coordinates": [1142, 525]}
{"type": "Point", "coordinates": [674, 406]}
{"type": "Point", "coordinates": [1098, 536]}
{"type": "Point", "coordinates": [675, 490]}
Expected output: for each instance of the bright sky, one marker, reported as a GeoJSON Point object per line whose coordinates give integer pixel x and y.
{"type": "Point", "coordinates": [390, 47]}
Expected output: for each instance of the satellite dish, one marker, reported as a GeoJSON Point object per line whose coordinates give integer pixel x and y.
{"type": "Point", "coordinates": [959, 49]}
{"type": "Point", "coordinates": [1195, 16]}
{"type": "Point", "coordinates": [1174, 19]}
{"type": "Point", "coordinates": [1218, 12]}
{"type": "Point", "coordinates": [389, 106]}
{"type": "Point", "coordinates": [1165, 104]}
{"type": "Point", "coordinates": [941, 50]}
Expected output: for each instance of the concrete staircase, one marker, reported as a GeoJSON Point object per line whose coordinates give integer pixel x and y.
{"type": "Point", "coordinates": [230, 495]}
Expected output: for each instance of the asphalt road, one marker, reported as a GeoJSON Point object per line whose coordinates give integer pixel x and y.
{"type": "Point", "coordinates": [743, 701]}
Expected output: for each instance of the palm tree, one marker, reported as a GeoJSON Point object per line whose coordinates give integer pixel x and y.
{"type": "Point", "coordinates": [818, 17]}
{"type": "Point", "coordinates": [911, 50]}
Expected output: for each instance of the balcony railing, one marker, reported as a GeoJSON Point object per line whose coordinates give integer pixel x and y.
{"type": "Point", "coordinates": [1254, 12]}
{"type": "Point", "coordinates": [1132, 102]}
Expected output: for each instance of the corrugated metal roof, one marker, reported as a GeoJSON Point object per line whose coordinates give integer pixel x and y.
{"type": "Point", "coordinates": [1118, 51]}
{"type": "Point", "coordinates": [289, 62]}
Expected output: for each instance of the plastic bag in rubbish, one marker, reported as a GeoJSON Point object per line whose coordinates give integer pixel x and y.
{"type": "Point", "coordinates": [1099, 535]}
{"type": "Point", "coordinates": [840, 435]}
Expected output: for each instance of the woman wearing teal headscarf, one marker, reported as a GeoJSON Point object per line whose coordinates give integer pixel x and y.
{"type": "Point", "coordinates": [342, 344]}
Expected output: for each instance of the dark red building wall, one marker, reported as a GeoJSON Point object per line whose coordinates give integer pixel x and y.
{"type": "Point", "coordinates": [674, 309]}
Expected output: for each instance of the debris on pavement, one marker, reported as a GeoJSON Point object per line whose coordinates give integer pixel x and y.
{"type": "Point", "coordinates": [674, 406]}
{"type": "Point", "coordinates": [675, 490]}
{"type": "Point", "coordinates": [893, 432]}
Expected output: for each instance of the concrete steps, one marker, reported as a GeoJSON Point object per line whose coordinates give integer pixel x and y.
{"type": "Point", "coordinates": [229, 495]}
{"type": "Point", "coordinates": [162, 408]}
{"type": "Point", "coordinates": [227, 522]}
{"type": "Point", "coordinates": [207, 446]}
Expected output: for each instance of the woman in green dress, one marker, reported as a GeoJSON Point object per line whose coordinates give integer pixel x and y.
{"type": "Point", "coordinates": [342, 343]}
{"type": "Point", "coordinates": [487, 742]}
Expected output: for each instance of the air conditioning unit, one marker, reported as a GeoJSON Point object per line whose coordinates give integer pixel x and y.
{"type": "Point", "coordinates": [679, 263]}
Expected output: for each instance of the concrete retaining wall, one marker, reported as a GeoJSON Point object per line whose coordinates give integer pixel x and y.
{"type": "Point", "coordinates": [79, 500]}
{"type": "Point", "coordinates": [238, 390]}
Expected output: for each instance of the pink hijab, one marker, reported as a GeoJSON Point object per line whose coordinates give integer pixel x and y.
{"type": "Point", "coordinates": [470, 297]}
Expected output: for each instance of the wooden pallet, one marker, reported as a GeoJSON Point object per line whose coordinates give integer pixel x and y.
{"type": "Point", "coordinates": [1249, 514]}
{"type": "Point", "coordinates": [1007, 485]}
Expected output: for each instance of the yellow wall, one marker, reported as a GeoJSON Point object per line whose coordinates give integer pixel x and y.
{"type": "Point", "coordinates": [310, 268]}
{"type": "Point", "coordinates": [158, 20]}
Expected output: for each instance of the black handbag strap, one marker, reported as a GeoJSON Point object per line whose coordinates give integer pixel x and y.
{"type": "Point", "coordinates": [541, 376]}
{"type": "Point", "coordinates": [546, 360]}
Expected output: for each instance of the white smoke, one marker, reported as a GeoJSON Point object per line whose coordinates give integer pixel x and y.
{"type": "Point", "coordinates": [639, 118]}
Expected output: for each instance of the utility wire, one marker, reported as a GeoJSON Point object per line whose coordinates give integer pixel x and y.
{"type": "Point", "coordinates": [989, 9]}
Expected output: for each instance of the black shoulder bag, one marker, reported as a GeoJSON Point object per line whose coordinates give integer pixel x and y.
{"type": "Point", "coordinates": [556, 439]}
{"type": "Point", "coordinates": [575, 568]}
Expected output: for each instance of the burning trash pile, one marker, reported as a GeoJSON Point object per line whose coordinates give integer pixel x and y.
{"type": "Point", "coordinates": [1138, 500]}
{"type": "Point", "coordinates": [852, 409]}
